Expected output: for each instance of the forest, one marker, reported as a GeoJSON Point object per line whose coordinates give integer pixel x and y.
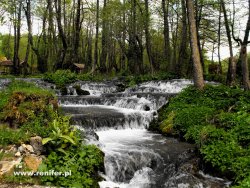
{"type": "Point", "coordinates": [127, 37]}
{"type": "Point", "coordinates": [124, 93]}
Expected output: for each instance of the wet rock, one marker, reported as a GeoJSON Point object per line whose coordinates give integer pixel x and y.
{"type": "Point", "coordinates": [36, 143]}
{"type": "Point", "coordinates": [120, 87]}
{"type": "Point", "coordinates": [63, 90]}
{"type": "Point", "coordinates": [32, 162]}
{"type": "Point", "coordinates": [146, 108]}
{"type": "Point", "coordinates": [79, 91]}
{"type": "Point", "coordinates": [7, 167]}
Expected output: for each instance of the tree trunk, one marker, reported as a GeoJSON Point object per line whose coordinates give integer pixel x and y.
{"type": "Point", "coordinates": [183, 47]}
{"type": "Point", "coordinates": [244, 61]}
{"type": "Point", "coordinates": [148, 39]}
{"type": "Point", "coordinates": [245, 71]}
{"type": "Point", "coordinates": [77, 32]}
{"type": "Point", "coordinates": [63, 52]}
{"type": "Point", "coordinates": [17, 36]}
{"type": "Point", "coordinates": [105, 45]}
{"type": "Point", "coordinates": [231, 74]}
{"type": "Point", "coordinates": [219, 41]}
{"type": "Point", "coordinates": [96, 37]}
{"type": "Point", "coordinates": [197, 68]}
{"type": "Point", "coordinates": [167, 48]}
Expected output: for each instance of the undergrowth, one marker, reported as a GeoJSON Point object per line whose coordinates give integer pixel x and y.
{"type": "Point", "coordinates": [217, 120]}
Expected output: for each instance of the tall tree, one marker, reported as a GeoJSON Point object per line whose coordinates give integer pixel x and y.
{"type": "Point", "coordinates": [231, 74]}
{"type": "Point", "coordinates": [167, 48]}
{"type": "Point", "coordinates": [243, 52]}
{"type": "Point", "coordinates": [95, 62]}
{"type": "Point", "coordinates": [105, 32]}
{"type": "Point", "coordinates": [17, 35]}
{"type": "Point", "coordinates": [58, 7]}
{"type": "Point", "coordinates": [197, 67]}
{"type": "Point", "coordinates": [183, 46]}
{"type": "Point", "coordinates": [148, 38]}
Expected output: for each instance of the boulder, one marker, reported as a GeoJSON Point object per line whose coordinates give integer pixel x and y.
{"type": "Point", "coordinates": [36, 143]}
{"type": "Point", "coordinates": [7, 167]}
{"type": "Point", "coordinates": [26, 149]}
{"type": "Point", "coordinates": [32, 162]}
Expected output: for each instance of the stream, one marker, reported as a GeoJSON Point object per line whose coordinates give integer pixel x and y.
{"type": "Point", "coordinates": [117, 123]}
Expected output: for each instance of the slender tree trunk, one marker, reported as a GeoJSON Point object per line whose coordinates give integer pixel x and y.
{"type": "Point", "coordinates": [198, 18]}
{"type": "Point", "coordinates": [77, 32]}
{"type": "Point", "coordinates": [103, 58]}
{"type": "Point", "coordinates": [167, 48]}
{"type": "Point", "coordinates": [17, 33]}
{"type": "Point", "coordinates": [219, 41]}
{"type": "Point", "coordinates": [184, 37]}
{"type": "Point", "coordinates": [148, 38]}
{"type": "Point", "coordinates": [231, 74]}
{"type": "Point", "coordinates": [96, 37]}
{"type": "Point", "coordinates": [62, 36]}
{"type": "Point", "coordinates": [197, 68]}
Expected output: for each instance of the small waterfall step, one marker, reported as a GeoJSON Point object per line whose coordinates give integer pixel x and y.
{"type": "Point", "coordinates": [105, 117]}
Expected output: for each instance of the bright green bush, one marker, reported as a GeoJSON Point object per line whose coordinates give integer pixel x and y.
{"type": "Point", "coordinates": [61, 77]}
{"type": "Point", "coordinates": [82, 162]}
{"type": "Point", "coordinates": [217, 119]}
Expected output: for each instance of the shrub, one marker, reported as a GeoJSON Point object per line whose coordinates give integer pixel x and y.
{"type": "Point", "coordinates": [61, 77]}
{"type": "Point", "coordinates": [82, 163]}
{"type": "Point", "coordinates": [217, 119]}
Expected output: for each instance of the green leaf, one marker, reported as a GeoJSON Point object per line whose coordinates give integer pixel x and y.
{"type": "Point", "coordinates": [46, 140]}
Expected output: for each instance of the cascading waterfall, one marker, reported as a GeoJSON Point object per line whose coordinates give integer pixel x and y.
{"type": "Point", "coordinates": [117, 122]}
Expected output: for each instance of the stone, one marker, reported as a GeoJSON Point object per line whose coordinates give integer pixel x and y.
{"type": "Point", "coordinates": [36, 143]}
{"type": "Point", "coordinates": [28, 148]}
{"type": "Point", "coordinates": [20, 149]}
{"type": "Point", "coordinates": [18, 154]}
{"type": "Point", "coordinates": [32, 162]}
{"type": "Point", "coordinates": [7, 167]}
{"type": "Point", "coordinates": [79, 91]}
{"type": "Point", "coordinates": [146, 108]}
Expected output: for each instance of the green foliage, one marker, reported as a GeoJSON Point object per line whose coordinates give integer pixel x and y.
{"type": "Point", "coordinates": [133, 80]}
{"type": "Point", "coordinates": [28, 106]}
{"type": "Point", "coordinates": [61, 77]}
{"type": "Point", "coordinates": [82, 163]}
{"type": "Point", "coordinates": [62, 136]}
{"type": "Point", "coordinates": [23, 102]}
{"type": "Point", "coordinates": [217, 119]}
{"type": "Point", "coordinates": [10, 136]}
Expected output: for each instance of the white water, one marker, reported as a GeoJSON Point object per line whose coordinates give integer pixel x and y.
{"type": "Point", "coordinates": [128, 145]}
{"type": "Point", "coordinates": [135, 157]}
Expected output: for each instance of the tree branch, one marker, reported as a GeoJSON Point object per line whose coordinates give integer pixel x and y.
{"type": "Point", "coordinates": [238, 40]}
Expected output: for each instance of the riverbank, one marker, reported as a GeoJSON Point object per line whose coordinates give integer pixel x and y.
{"type": "Point", "coordinates": [217, 121]}
{"type": "Point", "coordinates": [35, 137]}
